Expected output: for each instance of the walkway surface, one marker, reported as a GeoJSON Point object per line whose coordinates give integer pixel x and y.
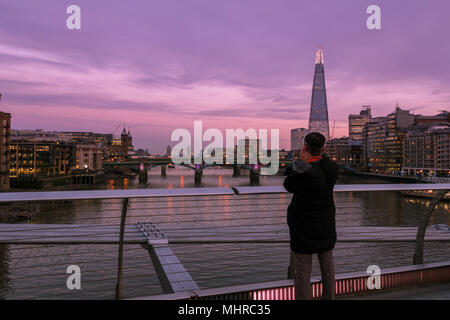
{"type": "Point", "coordinates": [432, 291]}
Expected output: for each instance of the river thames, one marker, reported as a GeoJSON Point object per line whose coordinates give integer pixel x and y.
{"type": "Point", "coordinates": [38, 272]}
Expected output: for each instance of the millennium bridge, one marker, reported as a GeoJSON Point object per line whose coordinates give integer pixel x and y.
{"type": "Point", "coordinates": [134, 243]}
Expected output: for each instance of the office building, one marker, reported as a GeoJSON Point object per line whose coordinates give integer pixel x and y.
{"type": "Point", "coordinates": [427, 149]}
{"type": "Point", "coordinates": [356, 123]}
{"type": "Point", "coordinates": [346, 152]}
{"type": "Point", "coordinates": [88, 156]}
{"type": "Point", "coordinates": [298, 138]}
{"type": "Point", "coordinates": [5, 125]}
{"type": "Point", "coordinates": [443, 116]}
{"type": "Point", "coordinates": [383, 139]}
{"type": "Point", "coordinates": [41, 159]}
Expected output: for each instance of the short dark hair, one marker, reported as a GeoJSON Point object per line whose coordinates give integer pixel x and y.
{"type": "Point", "coordinates": [314, 142]}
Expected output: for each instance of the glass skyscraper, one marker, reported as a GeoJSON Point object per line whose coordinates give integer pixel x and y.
{"type": "Point", "coordinates": [318, 116]}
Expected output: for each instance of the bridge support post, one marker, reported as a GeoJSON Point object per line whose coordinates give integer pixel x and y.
{"type": "Point", "coordinates": [254, 175]}
{"type": "Point", "coordinates": [143, 177]}
{"type": "Point", "coordinates": [236, 170]}
{"type": "Point", "coordinates": [198, 176]}
{"type": "Point", "coordinates": [163, 171]}
{"type": "Point", "coordinates": [118, 293]}
{"type": "Point", "coordinates": [143, 174]}
{"type": "Point", "coordinates": [420, 238]}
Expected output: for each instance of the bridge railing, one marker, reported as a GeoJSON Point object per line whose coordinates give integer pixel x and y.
{"type": "Point", "coordinates": [217, 237]}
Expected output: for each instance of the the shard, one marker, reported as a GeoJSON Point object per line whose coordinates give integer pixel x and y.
{"type": "Point", "coordinates": [318, 116]}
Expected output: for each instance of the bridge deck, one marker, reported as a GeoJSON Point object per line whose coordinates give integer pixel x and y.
{"type": "Point", "coordinates": [101, 234]}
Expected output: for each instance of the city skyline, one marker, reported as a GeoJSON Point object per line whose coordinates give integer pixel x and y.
{"type": "Point", "coordinates": [160, 66]}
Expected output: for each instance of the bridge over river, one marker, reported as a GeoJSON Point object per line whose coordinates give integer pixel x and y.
{"type": "Point", "coordinates": [158, 235]}
{"type": "Point", "coordinates": [143, 165]}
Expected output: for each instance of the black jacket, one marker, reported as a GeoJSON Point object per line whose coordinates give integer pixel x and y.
{"type": "Point", "coordinates": [311, 214]}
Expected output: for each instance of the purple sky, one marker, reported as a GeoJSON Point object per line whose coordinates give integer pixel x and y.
{"type": "Point", "coordinates": [160, 65]}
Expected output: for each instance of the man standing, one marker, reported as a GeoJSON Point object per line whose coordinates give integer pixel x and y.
{"type": "Point", "coordinates": [311, 216]}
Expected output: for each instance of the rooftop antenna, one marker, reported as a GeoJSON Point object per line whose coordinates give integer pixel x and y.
{"type": "Point", "coordinates": [319, 55]}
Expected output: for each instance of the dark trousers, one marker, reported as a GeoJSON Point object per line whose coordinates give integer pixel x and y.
{"type": "Point", "coordinates": [303, 266]}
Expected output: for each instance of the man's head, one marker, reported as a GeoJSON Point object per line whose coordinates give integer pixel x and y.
{"type": "Point", "coordinates": [315, 143]}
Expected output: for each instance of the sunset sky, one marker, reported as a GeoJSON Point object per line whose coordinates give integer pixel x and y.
{"type": "Point", "coordinates": [160, 65]}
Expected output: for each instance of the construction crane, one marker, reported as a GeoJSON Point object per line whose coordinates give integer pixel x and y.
{"type": "Point", "coordinates": [115, 130]}
{"type": "Point", "coordinates": [120, 125]}
{"type": "Point", "coordinates": [332, 129]}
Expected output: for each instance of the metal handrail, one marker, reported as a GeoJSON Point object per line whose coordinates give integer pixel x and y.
{"type": "Point", "coordinates": [112, 194]}
{"type": "Point", "coordinates": [186, 192]}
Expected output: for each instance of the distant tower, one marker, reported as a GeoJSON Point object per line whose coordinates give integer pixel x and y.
{"type": "Point", "coordinates": [130, 138]}
{"type": "Point", "coordinates": [124, 137]}
{"type": "Point", "coordinates": [126, 142]}
{"type": "Point", "coordinates": [318, 117]}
